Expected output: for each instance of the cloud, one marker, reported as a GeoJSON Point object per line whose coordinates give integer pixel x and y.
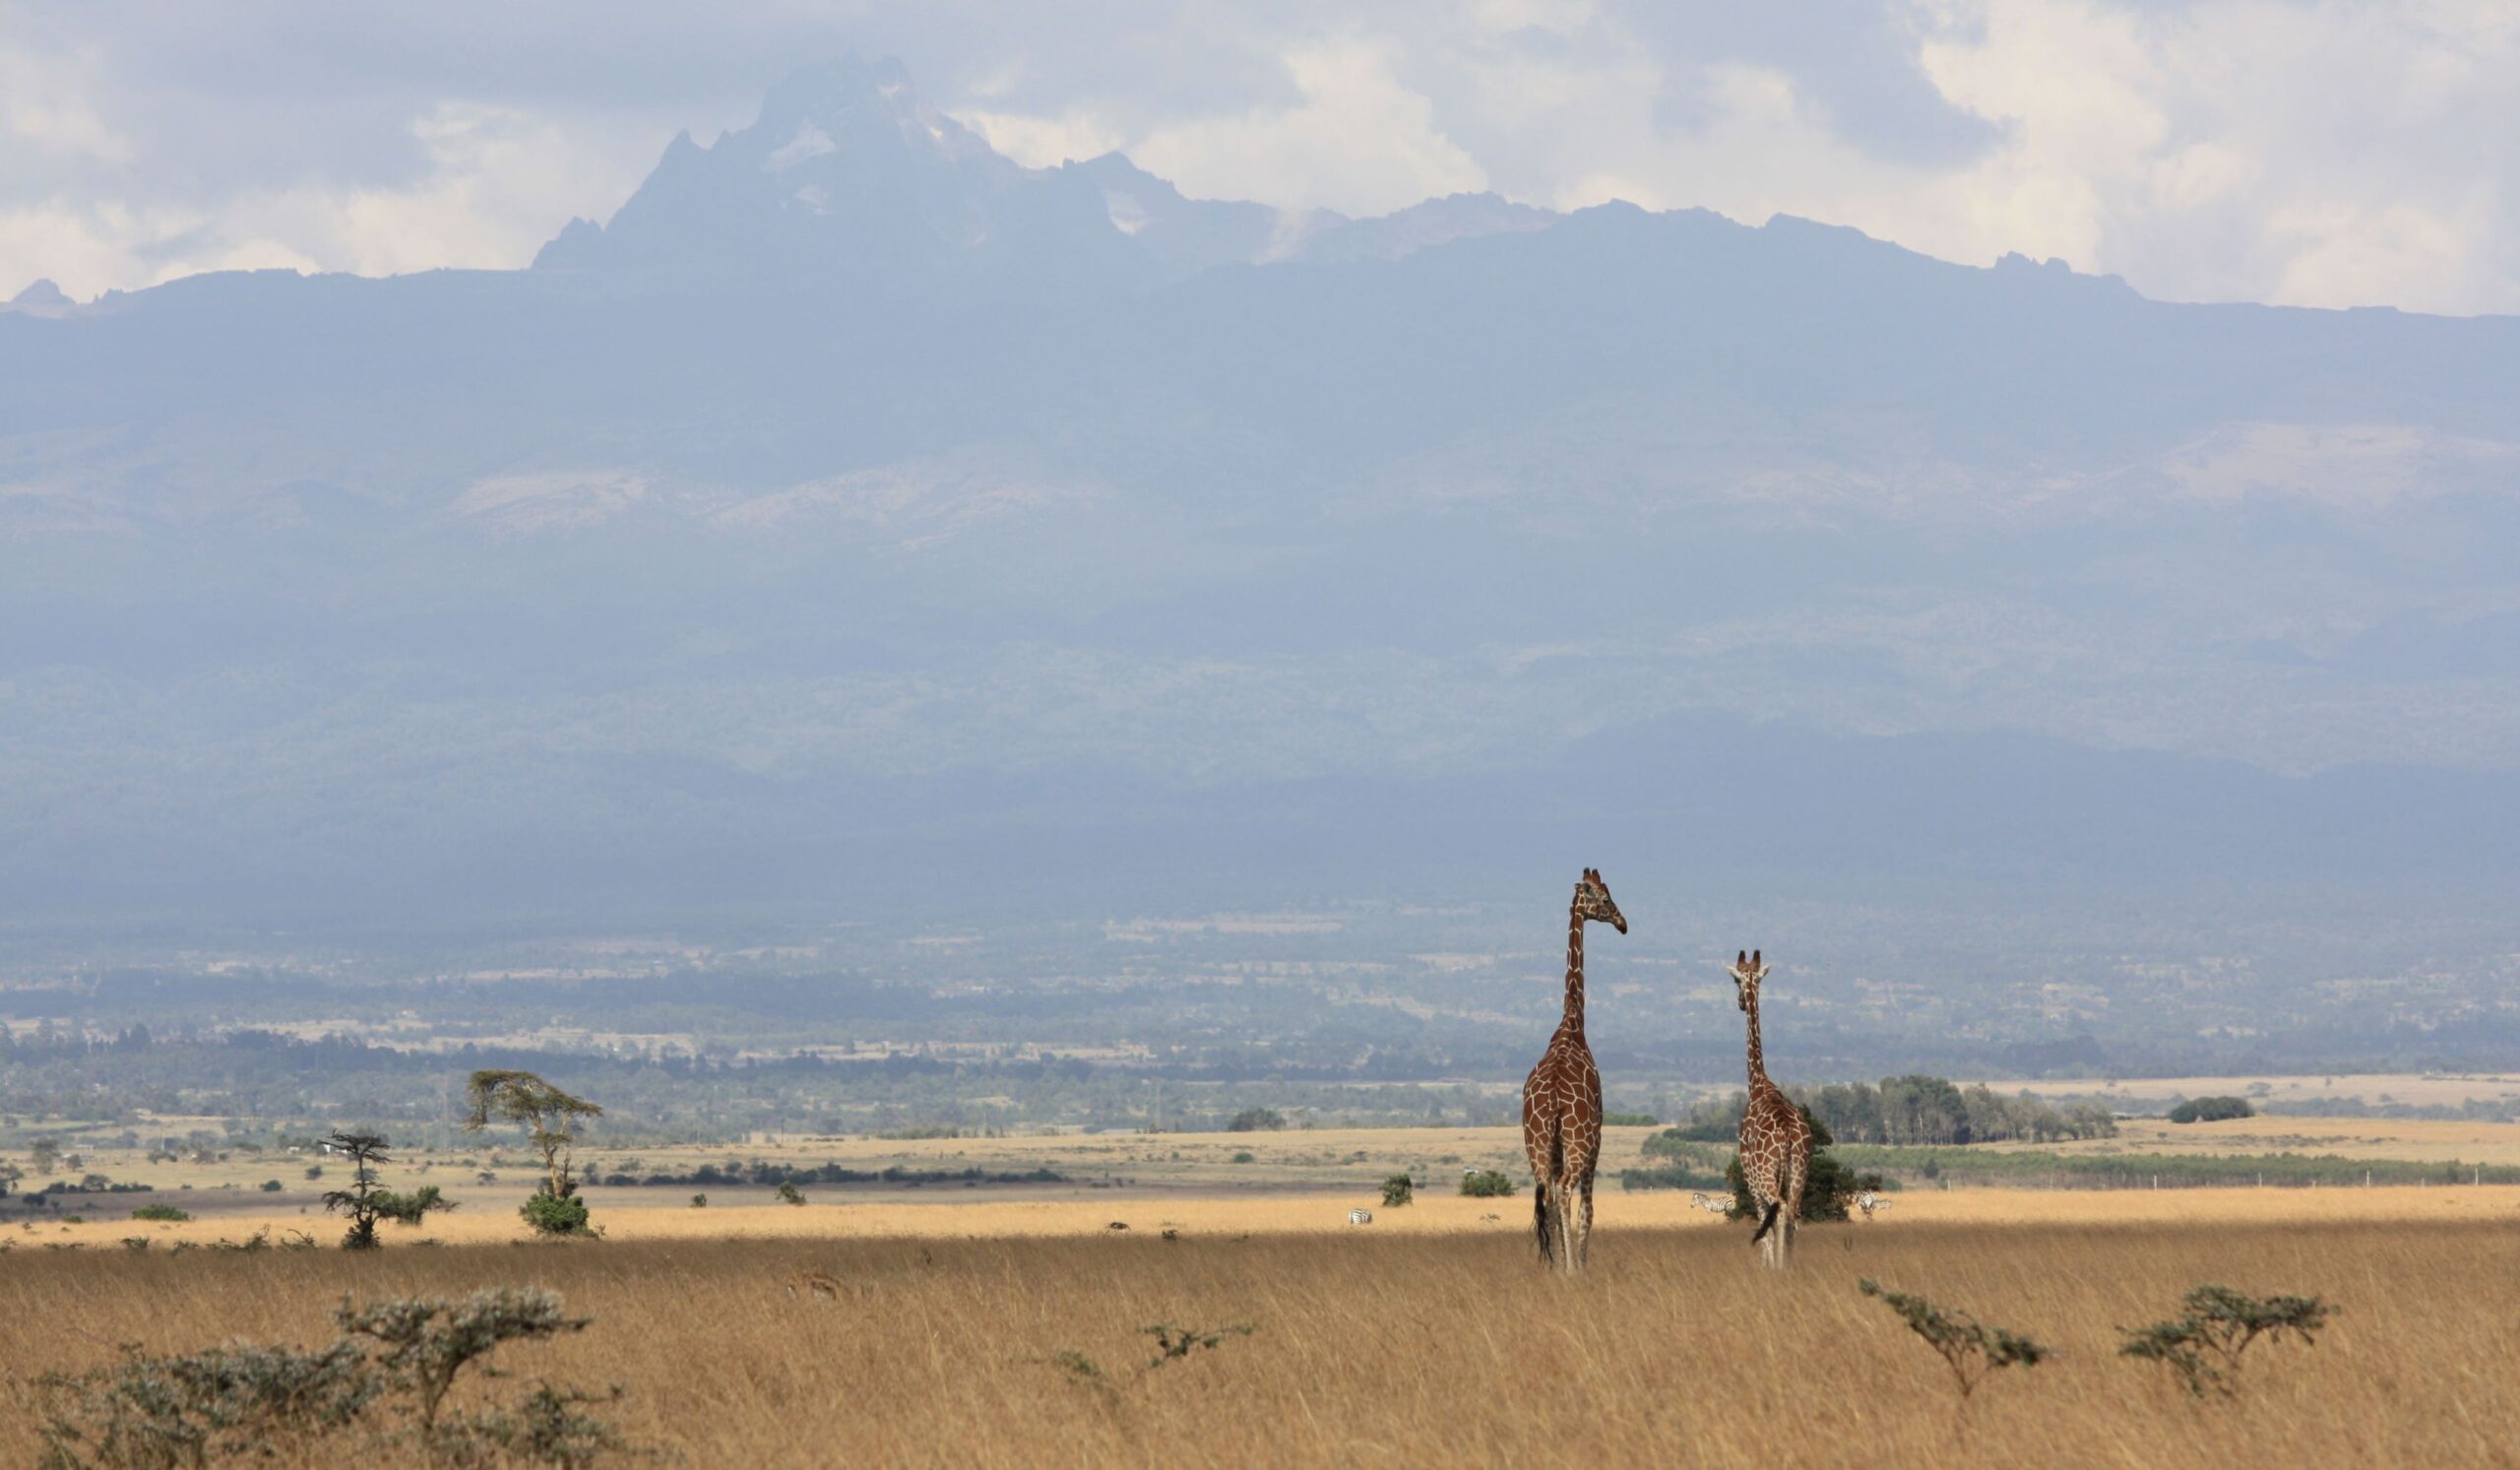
{"type": "Point", "coordinates": [2214, 150]}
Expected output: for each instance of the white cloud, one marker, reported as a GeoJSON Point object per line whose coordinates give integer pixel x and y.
{"type": "Point", "coordinates": [2218, 150]}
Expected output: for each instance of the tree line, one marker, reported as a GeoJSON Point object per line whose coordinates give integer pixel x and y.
{"type": "Point", "coordinates": [1910, 1110]}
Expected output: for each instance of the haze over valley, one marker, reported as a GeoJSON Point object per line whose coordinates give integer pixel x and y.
{"type": "Point", "coordinates": [1033, 606]}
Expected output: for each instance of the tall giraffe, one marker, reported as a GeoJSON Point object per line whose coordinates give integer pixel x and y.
{"type": "Point", "coordinates": [1562, 1101]}
{"type": "Point", "coordinates": [1776, 1143]}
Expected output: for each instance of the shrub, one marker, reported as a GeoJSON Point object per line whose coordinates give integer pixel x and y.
{"type": "Point", "coordinates": [161, 1212]}
{"type": "Point", "coordinates": [553, 1215]}
{"type": "Point", "coordinates": [270, 1186]}
{"type": "Point", "coordinates": [241, 1400]}
{"type": "Point", "coordinates": [1971, 1349]}
{"type": "Point", "coordinates": [789, 1193]}
{"type": "Point", "coordinates": [1485, 1183]}
{"type": "Point", "coordinates": [1245, 1156]}
{"type": "Point", "coordinates": [1398, 1190]}
{"type": "Point", "coordinates": [1256, 1119]}
{"type": "Point", "coordinates": [428, 1341]}
{"type": "Point", "coordinates": [1172, 1344]}
{"type": "Point", "coordinates": [700, 1202]}
{"type": "Point", "coordinates": [264, 1403]}
{"type": "Point", "coordinates": [1829, 1187]}
{"type": "Point", "coordinates": [412, 1208]}
{"type": "Point", "coordinates": [2211, 1109]}
{"type": "Point", "coordinates": [2203, 1346]}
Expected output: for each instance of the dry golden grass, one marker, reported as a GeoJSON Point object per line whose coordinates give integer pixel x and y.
{"type": "Point", "coordinates": [995, 1215]}
{"type": "Point", "coordinates": [1416, 1340]}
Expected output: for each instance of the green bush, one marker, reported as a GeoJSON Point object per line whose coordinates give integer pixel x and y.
{"type": "Point", "coordinates": [1245, 1156]}
{"type": "Point", "coordinates": [789, 1193]}
{"type": "Point", "coordinates": [1485, 1183]}
{"type": "Point", "coordinates": [1398, 1190]}
{"type": "Point", "coordinates": [2211, 1109]}
{"type": "Point", "coordinates": [161, 1212]}
{"type": "Point", "coordinates": [1256, 1121]}
{"type": "Point", "coordinates": [553, 1215]}
{"type": "Point", "coordinates": [270, 1186]}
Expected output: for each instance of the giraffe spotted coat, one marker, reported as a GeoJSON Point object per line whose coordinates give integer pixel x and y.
{"type": "Point", "coordinates": [1562, 1101]}
{"type": "Point", "coordinates": [1776, 1143]}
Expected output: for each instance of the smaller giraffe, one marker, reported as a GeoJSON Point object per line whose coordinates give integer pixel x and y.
{"type": "Point", "coordinates": [1776, 1143]}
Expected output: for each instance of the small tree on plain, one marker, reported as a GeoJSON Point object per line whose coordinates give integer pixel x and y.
{"type": "Point", "coordinates": [547, 1114]}
{"type": "Point", "coordinates": [360, 1201]}
{"type": "Point", "coordinates": [1971, 1349]}
{"type": "Point", "coordinates": [1397, 1190]}
{"type": "Point", "coordinates": [2203, 1345]}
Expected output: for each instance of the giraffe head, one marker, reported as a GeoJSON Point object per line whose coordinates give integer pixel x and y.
{"type": "Point", "coordinates": [1748, 971]}
{"type": "Point", "coordinates": [1593, 901]}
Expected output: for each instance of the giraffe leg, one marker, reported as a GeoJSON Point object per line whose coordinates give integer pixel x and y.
{"type": "Point", "coordinates": [1569, 1245]}
{"type": "Point", "coordinates": [1584, 1246]}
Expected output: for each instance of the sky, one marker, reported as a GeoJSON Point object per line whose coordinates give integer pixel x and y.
{"type": "Point", "coordinates": [2327, 155]}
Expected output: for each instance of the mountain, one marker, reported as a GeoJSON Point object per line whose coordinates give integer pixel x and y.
{"type": "Point", "coordinates": [856, 511]}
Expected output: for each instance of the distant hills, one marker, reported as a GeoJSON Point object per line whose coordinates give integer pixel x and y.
{"type": "Point", "coordinates": [856, 506]}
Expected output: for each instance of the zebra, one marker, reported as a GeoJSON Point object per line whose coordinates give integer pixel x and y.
{"type": "Point", "coordinates": [1711, 1203]}
{"type": "Point", "coordinates": [1868, 1201]}
{"type": "Point", "coordinates": [1361, 1217]}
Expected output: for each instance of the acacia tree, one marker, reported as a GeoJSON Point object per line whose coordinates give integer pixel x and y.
{"type": "Point", "coordinates": [366, 1202]}
{"type": "Point", "coordinates": [544, 1111]}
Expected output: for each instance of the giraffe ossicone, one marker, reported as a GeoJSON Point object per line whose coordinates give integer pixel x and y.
{"type": "Point", "coordinates": [1562, 1100]}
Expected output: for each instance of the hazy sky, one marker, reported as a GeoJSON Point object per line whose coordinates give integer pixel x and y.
{"type": "Point", "coordinates": [2318, 153]}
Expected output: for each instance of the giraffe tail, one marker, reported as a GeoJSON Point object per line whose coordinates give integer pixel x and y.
{"type": "Point", "coordinates": [1540, 1220]}
{"type": "Point", "coordinates": [1767, 1221]}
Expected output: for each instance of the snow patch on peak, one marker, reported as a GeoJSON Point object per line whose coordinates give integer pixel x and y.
{"type": "Point", "coordinates": [811, 142]}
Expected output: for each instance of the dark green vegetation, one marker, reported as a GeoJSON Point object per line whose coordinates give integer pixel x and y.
{"type": "Point", "coordinates": [2211, 1109]}
{"type": "Point", "coordinates": [2034, 1168]}
{"type": "Point", "coordinates": [1486, 1183]}
{"type": "Point", "coordinates": [366, 1202]}
{"type": "Point", "coordinates": [1399, 1189]}
{"type": "Point", "coordinates": [2215, 1325]}
{"type": "Point", "coordinates": [1910, 1110]}
{"type": "Point", "coordinates": [1971, 1349]}
{"type": "Point", "coordinates": [377, 1393]}
{"type": "Point", "coordinates": [1828, 1191]}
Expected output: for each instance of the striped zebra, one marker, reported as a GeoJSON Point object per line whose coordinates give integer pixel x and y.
{"type": "Point", "coordinates": [1868, 1201]}
{"type": "Point", "coordinates": [1711, 1203]}
{"type": "Point", "coordinates": [1361, 1217]}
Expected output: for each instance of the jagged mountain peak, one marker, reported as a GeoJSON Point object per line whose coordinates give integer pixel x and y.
{"type": "Point", "coordinates": [847, 166]}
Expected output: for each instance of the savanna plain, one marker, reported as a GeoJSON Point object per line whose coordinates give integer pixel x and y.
{"type": "Point", "coordinates": [992, 1332]}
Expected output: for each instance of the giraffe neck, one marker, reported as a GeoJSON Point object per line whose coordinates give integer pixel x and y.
{"type": "Point", "coordinates": [1758, 1063]}
{"type": "Point", "coordinates": [1573, 1021]}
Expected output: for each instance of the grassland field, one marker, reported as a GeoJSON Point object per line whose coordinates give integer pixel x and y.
{"type": "Point", "coordinates": [1432, 1331]}
{"type": "Point", "coordinates": [958, 1330]}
